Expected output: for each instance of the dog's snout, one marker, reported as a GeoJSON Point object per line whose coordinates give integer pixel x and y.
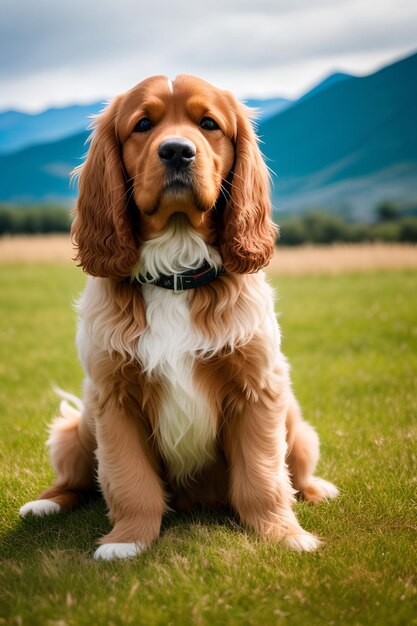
{"type": "Point", "coordinates": [177, 152]}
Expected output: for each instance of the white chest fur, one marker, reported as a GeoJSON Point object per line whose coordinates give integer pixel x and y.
{"type": "Point", "coordinates": [186, 425]}
{"type": "Point", "coordinates": [168, 348]}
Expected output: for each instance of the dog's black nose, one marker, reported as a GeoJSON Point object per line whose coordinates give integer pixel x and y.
{"type": "Point", "coordinates": [177, 152]}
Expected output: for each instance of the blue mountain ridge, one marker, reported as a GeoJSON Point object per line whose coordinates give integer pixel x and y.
{"type": "Point", "coordinates": [349, 145]}
{"type": "Point", "coordinates": [19, 130]}
{"type": "Point", "coordinates": [344, 145]}
{"type": "Point", "coordinates": [267, 107]}
{"type": "Point", "coordinates": [332, 79]}
{"type": "Point", "coordinates": [41, 173]}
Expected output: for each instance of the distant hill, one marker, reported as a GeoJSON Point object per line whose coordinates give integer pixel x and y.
{"type": "Point", "coordinates": [268, 107]}
{"type": "Point", "coordinates": [18, 129]}
{"type": "Point", "coordinates": [345, 145]}
{"type": "Point", "coordinates": [333, 79]}
{"type": "Point", "coordinates": [349, 145]}
{"type": "Point", "coordinates": [41, 172]}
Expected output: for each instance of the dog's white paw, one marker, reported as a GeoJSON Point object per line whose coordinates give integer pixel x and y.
{"type": "Point", "coordinates": [302, 542]}
{"type": "Point", "coordinates": [110, 551]}
{"type": "Point", "coordinates": [319, 490]}
{"type": "Point", "coordinates": [39, 508]}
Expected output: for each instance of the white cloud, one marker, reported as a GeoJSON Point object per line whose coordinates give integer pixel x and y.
{"type": "Point", "coordinates": [60, 52]}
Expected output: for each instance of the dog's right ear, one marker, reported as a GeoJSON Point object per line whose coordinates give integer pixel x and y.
{"type": "Point", "coordinates": [103, 231]}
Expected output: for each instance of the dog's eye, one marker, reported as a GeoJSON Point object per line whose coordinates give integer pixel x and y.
{"type": "Point", "coordinates": [143, 125]}
{"type": "Point", "coordinates": [207, 123]}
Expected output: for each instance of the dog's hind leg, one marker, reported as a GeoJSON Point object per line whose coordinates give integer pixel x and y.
{"type": "Point", "coordinates": [302, 457]}
{"type": "Point", "coordinates": [72, 444]}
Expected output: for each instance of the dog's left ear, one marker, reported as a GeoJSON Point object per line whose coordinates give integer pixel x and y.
{"type": "Point", "coordinates": [247, 234]}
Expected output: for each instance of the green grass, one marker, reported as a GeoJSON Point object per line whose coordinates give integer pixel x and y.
{"type": "Point", "coordinates": [352, 343]}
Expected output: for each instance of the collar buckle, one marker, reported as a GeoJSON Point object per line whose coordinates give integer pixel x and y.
{"type": "Point", "coordinates": [178, 287]}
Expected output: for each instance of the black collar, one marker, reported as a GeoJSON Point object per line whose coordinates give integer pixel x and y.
{"type": "Point", "coordinates": [190, 279]}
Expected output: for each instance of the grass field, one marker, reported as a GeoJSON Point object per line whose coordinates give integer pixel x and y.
{"type": "Point", "coordinates": [352, 343]}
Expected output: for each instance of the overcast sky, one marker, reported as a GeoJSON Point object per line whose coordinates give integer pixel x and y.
{"type": "Point", "coordinates": [55, 52]}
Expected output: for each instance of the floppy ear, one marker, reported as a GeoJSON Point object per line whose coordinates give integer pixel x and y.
{"type": "Point", "coordinates": [248, 235]}
{"type": "Point", "coordinates": [103, 230]}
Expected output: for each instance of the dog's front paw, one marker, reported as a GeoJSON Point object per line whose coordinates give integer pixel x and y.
{"type": "Point", "coordinates": [39, 508]}
{"type": "Point", "coordinates": [110, 551]}
{"type": "Point", "coordinates": [318, 490]}
{"type": "Point", "coordinates": [302, 542]}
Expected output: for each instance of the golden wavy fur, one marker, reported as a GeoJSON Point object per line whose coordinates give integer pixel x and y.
{"type": "Point", "coordinates": [187, 398]}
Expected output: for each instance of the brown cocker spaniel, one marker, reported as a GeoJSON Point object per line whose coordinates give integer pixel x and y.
{"type": "Point", "coordinates": [187, 396]}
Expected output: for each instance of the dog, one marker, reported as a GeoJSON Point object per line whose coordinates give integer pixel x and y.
{"type": "Point", "coordinates": [187, 396]}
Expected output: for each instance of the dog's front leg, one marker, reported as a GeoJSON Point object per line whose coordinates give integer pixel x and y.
{"type": "Point", "coordinates": [255, 447]}
{"type": "Point", "coordinates": [130, 483]}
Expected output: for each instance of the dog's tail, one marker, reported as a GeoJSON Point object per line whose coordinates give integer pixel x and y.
{"type": "Point", "coordinates": [71, 444]}
{"type": "Point", "coordinates": [67, 410]}
{"type": "Point", "coordinates": [71, 448]}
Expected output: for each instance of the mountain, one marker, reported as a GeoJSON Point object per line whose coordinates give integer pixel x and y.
{"type": "Point", "coordinates": [42, 172]}
{"type": "Point", "coordinates": [345, 145]}
{"type": "Point", "coordinates": [18, 129]}
{"type": "Point", "coordinates": [349, 145]}
{"type": "Point", "coordinates": [332, 79]}
{"type": "Point", "coordinates": [267, 107]}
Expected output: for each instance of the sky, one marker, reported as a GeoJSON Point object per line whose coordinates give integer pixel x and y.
{"type": "Point", "coordinates": [55, 52]}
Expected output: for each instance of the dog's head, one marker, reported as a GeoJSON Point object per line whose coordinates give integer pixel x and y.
{"type": "Point", "coordinates": [172, 147]}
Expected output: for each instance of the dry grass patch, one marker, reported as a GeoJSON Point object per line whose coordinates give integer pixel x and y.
{"type": "Point", "coordinates": [36, 249]}
{"type": "Point", "coordinates": [341, 258]}
{"type": "Point", "coordinates": [287, 261]}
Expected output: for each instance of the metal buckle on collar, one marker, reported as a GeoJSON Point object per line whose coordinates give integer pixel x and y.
{"type": "Point", "coordinates": [177, 283]}
{"type": "Point", "coordinates": [145, 280]}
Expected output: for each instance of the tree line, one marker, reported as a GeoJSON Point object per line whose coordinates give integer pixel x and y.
{"type": "Point", "coordinates": [390, 223]}
{"type": "Point", "coordinates": [33, 220]}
